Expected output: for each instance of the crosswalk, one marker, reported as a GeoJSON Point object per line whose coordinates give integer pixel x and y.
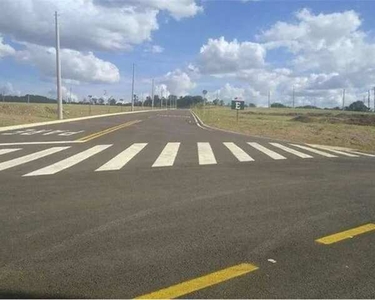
{"type": "Point", "coordinates": [167, 155]}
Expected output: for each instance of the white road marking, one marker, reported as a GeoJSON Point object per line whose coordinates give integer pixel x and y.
{"type": "Point", "coordinates": [53, 132]}
{"type": "Point", "coordinates": [360, 153]}
{"type": "Point", "coordinates": [205, 154]}
{"type": "Point", "coordinates": [5, 151]}
{"type": "Point", "coordinates": [41, 143]}
{"type": "Point", "coordinates": [334, 151]}
{"type": "Point", "coordinates": [17, 132]}
{"type": "Point", "coordinates": [267, 151]}
{"type": "Point", "coordinates": [69, 133]}
{"type": "Point", "coordinates": [167, 156]}
{"type": "Point", "coordinates": [32, 132]}
{"type": "Point", "coordinates": [314, 150]}
{"type": "Point", "coordinates": [292, 151]}
{"type": "Point", "coordinates": [68, 162]}
{"type": "Point", "coordinates": [30, 157]}
{"type": "Point", "coordinates": [122, 158]}
{"type": "Point", "coordinates": [238, 152]}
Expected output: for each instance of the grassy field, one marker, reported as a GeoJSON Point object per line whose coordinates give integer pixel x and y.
{"type": "Point", "coordinates": [21, 113]}
{"type": "Point", "coordinates": [335, 128]}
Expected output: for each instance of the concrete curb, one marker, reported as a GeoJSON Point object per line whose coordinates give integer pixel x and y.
{"type": "Point", "coordinates": [208, 127]}
{"type": "Point", "coordinates": [29, 125]}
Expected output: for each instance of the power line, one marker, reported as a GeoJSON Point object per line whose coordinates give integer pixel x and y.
{"type": "Point", "coordinates": [58, 69]}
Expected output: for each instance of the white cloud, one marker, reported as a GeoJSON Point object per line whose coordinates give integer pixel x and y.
{"type": "Point", "coordinates": [220, 56]}
{"type": "Point", "coordinates": [8, 89]}
{"type": "Point", "coordinates": [76, 66]}
{"type": "Point", "coordinates": [162, 90]}
{"type": "Point", "coordinates": [66, 94]}
{"type": "Point", "coordinates": [88, 25]}
{"type": "Point", "coordinates": [154, 49]}
{"type": "Point", "coordinates": [324, 42]}
{"type": "Point", "coordinates": [178, 82]}
{"type": "Point", "coordinates": [178, 9]}
{"type": "Point", "coordinates": [5, 50]}
{"type": "Point", "coordinates": [327, 53]}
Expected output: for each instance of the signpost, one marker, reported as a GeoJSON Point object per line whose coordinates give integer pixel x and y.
{"type": "Point", "coordinates": [238, 104]}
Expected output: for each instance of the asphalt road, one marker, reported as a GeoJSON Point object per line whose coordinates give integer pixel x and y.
{"type": "Point", "coordinates": [87, 222]}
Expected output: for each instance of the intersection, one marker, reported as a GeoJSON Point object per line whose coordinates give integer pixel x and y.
{"type": "Point", "coordinates": [143, 204]}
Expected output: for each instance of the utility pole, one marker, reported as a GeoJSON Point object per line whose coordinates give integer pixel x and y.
{"type": "Point", "coordinates": [343, 99]}
{"type": "Point", "coordinates": [368, 99]}
{"type": "Point", "coordinates": [293, 95]}
{"type": "Point", "coordinates": [269, 99]}
{"type": "Point", "coordinates": [161, 98]}
{"type": "Point", "coordinates": [152, 94]}
{"type": "Point", "coordinates": [133, 90]}
{"type": "Point", "coordinates": [58, 69]}
{"type": "Point", "coordinates": [28, 98]}
{"type": "Point", "coordinates": [70, 96]}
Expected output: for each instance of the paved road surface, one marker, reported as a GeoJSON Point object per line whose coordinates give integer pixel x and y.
{"type": "Point", "coordinates": [152, 205]}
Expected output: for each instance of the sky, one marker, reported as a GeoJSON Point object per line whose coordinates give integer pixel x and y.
{"type": "Point", "coordinates": [238, 48]}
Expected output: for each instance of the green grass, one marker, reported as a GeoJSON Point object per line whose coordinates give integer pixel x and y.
{"type": "Point", "coordinates": [335, 128]}
{"type": "Point", "coordinates": [21, 113]}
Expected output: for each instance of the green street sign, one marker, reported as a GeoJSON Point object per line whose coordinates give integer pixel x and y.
{"type": "Point", "coordinates": [238, 104]}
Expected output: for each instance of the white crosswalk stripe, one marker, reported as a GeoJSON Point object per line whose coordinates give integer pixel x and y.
{"type": "Point", "coordinates": [334, 151]}
{"type": "Point", "coordinates": [30, 157]}
{"type": "Point", "coordinates": [68, 162]}
{"type": "Point", "coordinates": [322, 153]}
{"type": "Point", "coordinates": [241, 155]}
{"type": "Point", "coordinates": [167, 156]}
{"type": "Point", "coordinates": [290, 150]}
{"type": "Point", "coordinates": [360, 153]}
{"type": "Point", "coordinates": [267, 151]}
{"type": "Point", "coordinates": [123, 158]}
{"type": "Point", "coordinates": [205, 154]}
{"type": "Point", "coordinates": [10, 150]}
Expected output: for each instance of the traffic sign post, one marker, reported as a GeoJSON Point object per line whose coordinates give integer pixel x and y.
{"type": "Point", "coordinates": [238, 105]}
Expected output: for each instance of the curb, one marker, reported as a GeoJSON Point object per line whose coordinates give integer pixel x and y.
{"type": "Point", "coordinates": [28, 125]}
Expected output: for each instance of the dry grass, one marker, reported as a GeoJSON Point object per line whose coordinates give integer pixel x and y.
{"type": "Point", "coordinates": [21, 113]}
{"type": "Point", "coordinates": [335, 128]}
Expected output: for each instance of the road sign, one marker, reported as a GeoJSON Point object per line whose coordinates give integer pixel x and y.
{"type": "Point", "coordinates": [238, 104]}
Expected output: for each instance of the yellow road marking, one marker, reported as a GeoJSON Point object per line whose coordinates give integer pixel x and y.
{"type": "Point", "coordinates": [347, 234]}
{"type": "Point", "coordinates": [106, 131]}
{"type": "Point", "coordinates": [199, 283]}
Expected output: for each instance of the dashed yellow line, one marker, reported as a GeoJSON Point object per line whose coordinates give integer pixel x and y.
{"type": "Point", "coordinates": [106, 131]}
{"type": "Point", "coordinates": [347, 234]}
{"type": "Point", "coordinates": [199, 283]}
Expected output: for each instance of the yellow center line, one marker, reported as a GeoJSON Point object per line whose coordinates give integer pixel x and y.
{"type": "Point", "coordinates": [347, 234]}
{"type": "Point", "coordinates": [106, 131]}
{"type": "Point", "coordinates": [199, 283]}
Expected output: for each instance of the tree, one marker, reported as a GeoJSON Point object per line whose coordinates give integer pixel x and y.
{"type": "Point", "coordinates": [357, 106]}
{"type": "Point", "coordinates": [112, 101]}
{"type": "Point", "coordinates": [278, 105]}
{"type": "Point", "coordinates": [221, 103]}
{"type": "Point", "coordinates": [252, 105]}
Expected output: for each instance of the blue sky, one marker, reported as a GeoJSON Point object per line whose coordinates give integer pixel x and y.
{"type": "Point", "coordinates": [307, 54]}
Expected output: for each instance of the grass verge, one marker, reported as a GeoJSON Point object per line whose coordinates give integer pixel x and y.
{"type": "Point", "coordinates": [334, 128]}
{"type": "Point", "coordinates": [22, 113]}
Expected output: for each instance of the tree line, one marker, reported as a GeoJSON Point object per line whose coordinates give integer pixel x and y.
{"type": "Point", "coordinates": [187, 101]}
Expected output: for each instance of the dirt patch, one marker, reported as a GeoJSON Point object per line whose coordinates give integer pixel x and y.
{"type": "Point", "coordinates": [303, 119]}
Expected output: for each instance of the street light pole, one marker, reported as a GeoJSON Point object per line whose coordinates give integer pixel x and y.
{"type": "Point", "coordinates": [293, 95]}
{"type": "Point", "coordinates": [133, 90]}
{"type": "Point", "coordinates": [343, 99]}
{"type": "Point", "coordinates": [152, 94]}
{"type": "Point", "coordinates": [269, 99]}
{"type": "Point", "coordinates": [58, 69]}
